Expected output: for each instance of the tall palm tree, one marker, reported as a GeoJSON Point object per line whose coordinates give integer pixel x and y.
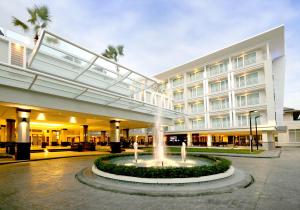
{"type": "Point", "coordinates": [38, 19]}
{"type": "Point", "coordinates": [114, 52]}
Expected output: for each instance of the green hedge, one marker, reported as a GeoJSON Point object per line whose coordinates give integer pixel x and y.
{"type": "Point", "coordinates": [220, 165]}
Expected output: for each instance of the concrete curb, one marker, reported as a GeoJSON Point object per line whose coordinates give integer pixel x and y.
{"type": "Point", "coordinates": [277, 155]}
{"type": "Point", "coordinates": [238, 180]}
{"type": "Point", "coordinates": [214, 177]}
{"type": "Point", "coordinates": [50, 158]}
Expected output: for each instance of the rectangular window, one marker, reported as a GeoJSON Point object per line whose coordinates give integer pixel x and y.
{"type": "Point", "coordinates": [252, 78]}
{"type": "Point", "coordinates": [243, 120]}
{"type": "Point", "coordinates": [178, 95]}
{"type": "Point", "coordinates": [219, 86]}
{"type": "Point", "coordinates": [253, 99]}
{"type": "Point", "coordinates": [218, 68]}
{"type": "Point", "coordinates": [179, 125]}
{"type": "Point", "coordinates": [196, 75]}
{"type": "Point", "coordinates": [220, 122]}
{"type": "Point", "coordinates": [294, 135]}
{"type": "Point", "coordinates": [196, 91]}
{"type": "Point", "coordinates": [177, 81]}
{"type": "Point", "coordinates": [197, 107]}
{"type": "Point", "coordinates": [250, 58]}
{"type": "Point", "coordinates": [179, 108]}
{"type": "Point", "coordinates": [198, 123]}
{"type": "Point", "coordinates": [219, 104]}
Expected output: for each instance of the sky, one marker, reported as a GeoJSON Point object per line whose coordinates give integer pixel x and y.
{"type": "Point", "coordinates": [160, 34]}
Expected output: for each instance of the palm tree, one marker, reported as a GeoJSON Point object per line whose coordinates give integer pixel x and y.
{"type": "Point", "coordinates": [38, 19]}
{"type": "Point", "coordinates": [114, 52]}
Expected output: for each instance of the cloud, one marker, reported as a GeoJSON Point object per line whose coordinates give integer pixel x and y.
{"type": "Point", "coordinates": [161, 34]}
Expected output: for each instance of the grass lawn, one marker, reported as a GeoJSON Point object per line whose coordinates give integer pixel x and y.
{"type": "Point", "coordinates": [212, 150]}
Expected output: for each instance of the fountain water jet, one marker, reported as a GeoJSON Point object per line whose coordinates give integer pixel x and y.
{"type": "Point", "coordinates": [135, 146]}
{"type": "Point", "coordinates": [158, 140]}
{"type": "Point", "coordinates": [183, 152]}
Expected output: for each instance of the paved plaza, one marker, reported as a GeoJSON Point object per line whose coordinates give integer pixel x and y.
{"type": "Point", "coordinates": [50, 184]}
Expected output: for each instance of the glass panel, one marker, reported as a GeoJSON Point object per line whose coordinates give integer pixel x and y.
{"type": "Point", "coordinates": [253, 98]}
{"type": "Point", "coordinates": [58, 57]}
{"type": "Point", "coordinates": [250, 58]}
{"type": "Point", "coordinates": [54, 87]}
{"type": "Point", "coordinates": [252, 78]}
{"type": "Point", "coordinates": [15, 78]}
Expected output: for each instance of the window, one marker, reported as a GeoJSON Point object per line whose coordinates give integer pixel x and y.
{"type": "Point", "coordinates": [243, 120]}
{"type": "Point", "coordinates": [294, 135]}
{"type": "Point", "coordinates": [148, 97]}
{"type": "Point", "coordinates": [247, 100]}
{"type": "Point", "coordinates": [252, 78]}
{"type": "Point", "coordinates": [253, 99]}
{"type": "Point", "coordinates": [198, 123]}
{"type": "Point", "coordinates": [197, 107]}
{"type": "Point", "coordinates": [250, 58]}
{"type": "Point", "coordinates": [218, 68]}
{"type": "Point", "coordinates": [178, 95]}
{"type": "Point", "coordinates": [219, 104]}
{"type": "Point", "coordinates": [177, 81]}
{"type": "Point", "coordinates": [219, 86]}
{"type": "Point", "coordinates": [179, 125]}
{"type": "Point", "coordinates": [247, 80]}
{"type": "Point", "coordinates": [245, 60]}
{"type": "Point", "coordinates": [196, 75]}
{"type": "Point", "coordinates": [220, 122]}
{"type": "Point", "coordinates": [179, 108]}
{"type": "Point", "coordinates": [196, 91]}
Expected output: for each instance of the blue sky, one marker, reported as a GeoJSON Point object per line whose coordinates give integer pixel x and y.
{"type": "Point", "coordinates": [158, 35]}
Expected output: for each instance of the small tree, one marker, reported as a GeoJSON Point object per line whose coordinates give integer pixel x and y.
{"type": "Point", "coordinates": [38, 19]}
{"type": "Point", "coordinates": [114, 52]}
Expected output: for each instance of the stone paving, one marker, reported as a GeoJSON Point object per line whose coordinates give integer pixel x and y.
{"type": "Point", "coordinates": [50, 184]}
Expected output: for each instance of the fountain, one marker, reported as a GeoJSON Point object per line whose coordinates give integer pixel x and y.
{"type": "Point", "coordinates": [135, 146]}
{"type": "Point", "coordinates": [158, 141]}
{"type": "Point", "coordinates": [160, 169]}
{"type": "Point", "coordinates": [183, 152]}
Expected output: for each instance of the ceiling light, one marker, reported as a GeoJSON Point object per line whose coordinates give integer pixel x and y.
{"type": "Point", "coordinates": [41, 116]}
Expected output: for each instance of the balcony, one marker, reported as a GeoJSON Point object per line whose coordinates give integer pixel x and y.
{"type": "Point", "coordinates": [198, 124]}
{"type": "Point", "coordinates": [219, 104]}
{"type": "Point", "coordinates": [195, 77]}
{"type": "Point", "coordinates": [177, 82]}
{"type": "Point", "coordinates": [220, 122]}
{"type": "Point", "coordinates": [217, 69]}
{"type": "Point", "coordinates": [218, 87]}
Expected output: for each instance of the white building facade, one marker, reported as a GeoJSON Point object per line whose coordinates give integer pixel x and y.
{"type": "Point", "coordinates": [291, 137]}
{"type": "Point", "coordinates": [218, 91]}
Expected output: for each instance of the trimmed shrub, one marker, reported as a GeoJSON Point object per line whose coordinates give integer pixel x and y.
{"type": "Point", "coordinates": [219, 165]}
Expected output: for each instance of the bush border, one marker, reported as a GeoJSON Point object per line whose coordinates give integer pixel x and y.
{"type": "Point", "coordinates": [220, 165]}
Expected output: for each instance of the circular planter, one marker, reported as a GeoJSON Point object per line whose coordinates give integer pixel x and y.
{"type": "Point", "coordinates": [226, 174]}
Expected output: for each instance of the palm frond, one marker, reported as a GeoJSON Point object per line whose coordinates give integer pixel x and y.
{"type": "Point", "coordinates": [19, 23]}
{"type": "Point", "coordinates": [36, 28]}
{"type": "Point", "coordinates": [44, 25]}
{"type": "Point", "coordinates": [120, 49]}
{"type": "Point", "coordinates": [43, 13]}
{"type": "Point", "coordinates": [33, 17]}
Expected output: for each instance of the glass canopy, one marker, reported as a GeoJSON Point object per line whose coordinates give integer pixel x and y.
{"type": "Point", "coordinates": [62, 68]}
{"type": "Point", "coordinates": [57, 56]}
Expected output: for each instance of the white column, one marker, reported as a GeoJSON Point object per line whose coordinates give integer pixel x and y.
{"type": "Point", "coordinates": [189, 140]}
{"type": "Point", "coordinates": [23, 141]}
{"type": "Point", "coordinates": [268, 140]}
{"type": "Point", "coordinates": [23, 120]}
{"type": "Point", "coordinates": [2, 133]}
{"type": "Point", "coordinates": [209, 140]}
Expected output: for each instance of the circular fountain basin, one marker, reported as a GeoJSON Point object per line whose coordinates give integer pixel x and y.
{"type": "Point", "coordinates": [170, 161]}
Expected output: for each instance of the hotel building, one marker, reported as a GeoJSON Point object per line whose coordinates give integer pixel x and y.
{"type": "Point", "coordinates": [55, 92]}
{"type": "Point", "coordinates": [218, 93]}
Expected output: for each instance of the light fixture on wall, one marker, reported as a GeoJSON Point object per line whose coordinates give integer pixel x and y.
{"type": "Point", "coordinates": [73, 120]}
{"type": "Point", "coordinates": [41, 116]}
